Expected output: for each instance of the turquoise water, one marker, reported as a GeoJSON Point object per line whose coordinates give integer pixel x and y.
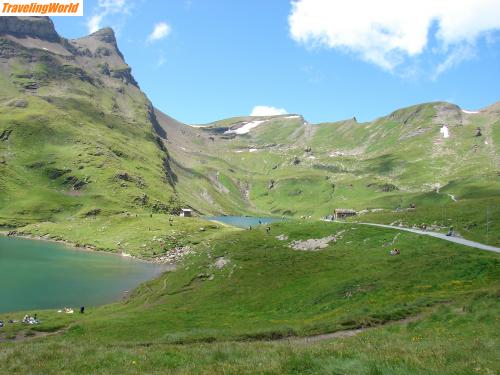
{"type": "Point", "coordinates": [244, 221]}
{"type": "Point", "coordinates": [45, 275]}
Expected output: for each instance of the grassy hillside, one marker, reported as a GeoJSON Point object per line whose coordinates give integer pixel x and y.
{"type": "Point", "coordinates": [85, 158]}
{"type": "Point", "coordinates": [77, 135]}
{"type": "Point", "coordinates": [285, 166]}
{"type": "Point", "coordinates": [146, 236]}
{"type": "Point", "coordinates": [80, 140]}
{"type": "Point", "coordinates": [475, 219]}
{"type": "Point", "coordinates": [213, 316]}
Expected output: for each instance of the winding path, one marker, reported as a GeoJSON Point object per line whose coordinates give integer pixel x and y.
{"type": "Point", "coordinates": [349, 332]}
{"type": "Point", "coordinates": [442, 236]}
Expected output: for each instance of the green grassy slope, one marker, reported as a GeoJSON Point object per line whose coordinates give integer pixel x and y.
{"type": "Point", "coordinates": [143, 235]}
{"type": "Point", "coordinates": [266, 291]}
{"type": "Point", "coordinates": [80, 139]}
{"type": "Point", "coordinates": [78, 135]}
{"type": "Point", "coordinates": [286, 166]}
{"type": "Point", "coordinates": [85, 158]}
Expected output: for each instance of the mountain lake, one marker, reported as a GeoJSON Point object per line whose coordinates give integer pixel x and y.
{"type": "Point", "coordinates": [47, 275]}
{"type": "Point", "coordinates": [244, 221]}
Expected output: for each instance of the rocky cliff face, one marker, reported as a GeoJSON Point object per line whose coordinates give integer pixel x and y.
{"type": "Point", "coordinates": [99, 51]}
{"type": "Point", "coordinates": [107, 35]}
{"type": "Point", "coordinates": [95, 57]}
{"type": "Point", "coordinates": [35, 27]}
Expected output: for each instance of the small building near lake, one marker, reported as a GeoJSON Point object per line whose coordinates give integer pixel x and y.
{"type": "Point", "coordinates": [342, 213]}
{"type": "Point", "coordinates": [186, 212]}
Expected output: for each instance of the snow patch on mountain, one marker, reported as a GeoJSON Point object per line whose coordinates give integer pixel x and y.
{"type": "Point", "coordinates": [445, 132]}
{"type": "Point", "coordinates": [246, 127]}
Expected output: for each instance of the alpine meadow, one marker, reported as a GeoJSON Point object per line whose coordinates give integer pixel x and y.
{"type": "Point", "coordinates": [382, 256]}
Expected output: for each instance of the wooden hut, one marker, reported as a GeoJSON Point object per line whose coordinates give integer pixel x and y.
{"type": "Point", "coordinates": [186, 212]}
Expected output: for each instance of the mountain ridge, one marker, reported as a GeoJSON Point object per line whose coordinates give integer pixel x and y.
{"type": "Point", "coordinates": [38, 27]}
{"type": "Point", "coordinates": [267, 165]}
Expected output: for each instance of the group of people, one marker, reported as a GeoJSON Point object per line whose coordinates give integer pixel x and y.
{"type": "Point", "coordinates": [268, 229]}
{"type": "Point", "coordinates": [28, 319]}
{"type": "Point", "coordinates": [451, 230]}
{"type": "Point", "coordinates": [69, 310]}
{"type": "Point", "coordinates": [66, 310]}
{"type": "Point", "coordinates": [395, 251]}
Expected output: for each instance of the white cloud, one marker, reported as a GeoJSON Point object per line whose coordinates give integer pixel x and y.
{"type": "Point", "coordinates": [459, 54]}
{"type": "Point", "coordinates": [160, 31]}
{"type": "Point", "coordinates": [262, 110]}
{"type": "Point", "coordinates": [105, 8]}
{"type": "Point", "coordinates": [94, 23]}
{"type": "Point", "coordinates": [391, 32]}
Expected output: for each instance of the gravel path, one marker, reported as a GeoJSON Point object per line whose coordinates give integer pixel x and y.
{"type": "Point", "coordinates": [459, 240]}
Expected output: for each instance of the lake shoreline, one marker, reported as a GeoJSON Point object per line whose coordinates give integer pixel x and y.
{"type": "Point", "coordinates": [75, 246]}
{"type": "Point", "coordinates": [169, 262]}
{"type": "Point", "coordinates": [96, 279]}
{"type": "Point", "coordinates": [244, 222]}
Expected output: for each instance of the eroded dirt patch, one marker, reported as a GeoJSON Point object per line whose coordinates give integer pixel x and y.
{"type": "Point", "coordinates": [315, 244]}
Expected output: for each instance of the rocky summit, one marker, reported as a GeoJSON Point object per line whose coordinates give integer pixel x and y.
{"type": "Point", "coordinates": [34, 27]}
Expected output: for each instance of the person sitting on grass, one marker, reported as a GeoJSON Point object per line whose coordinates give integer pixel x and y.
{"type": "Point", "coordinates": [30, 319]}
{"type": "Point", "coordinates": [395, 251]}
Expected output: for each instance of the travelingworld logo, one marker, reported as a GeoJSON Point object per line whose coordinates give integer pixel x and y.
{"type": "Point", "coordinates": [41, 8]}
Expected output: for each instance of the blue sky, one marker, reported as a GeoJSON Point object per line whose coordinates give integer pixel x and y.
{"type": "Point", "coordinates": [203, 60]}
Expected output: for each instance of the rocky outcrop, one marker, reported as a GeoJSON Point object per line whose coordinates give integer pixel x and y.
{"type": "Point", "coordinates": [221, 262]}
{"type": "Point", "coordinates": [106, 35]}
{"type": "Point", "coordinates": [35, 27]}
{"type": "Point", "coordinates": [315, 244]}
{"type": "Point", "coordinates": [174, 255]}
{"type": "Point", "coordinates": [124, 73]}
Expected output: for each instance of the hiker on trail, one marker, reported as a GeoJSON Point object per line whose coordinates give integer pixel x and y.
{"type": "Point", "coordinates": [260, 222]}
{"type": "Point", "coordinates": [478, 134]}
{"type": "Point", "coordinates": [250, 227]}
{"type": "Point", "coordinates": [450, 231]}
{"type": "Point", "coordinates": [82, 309]}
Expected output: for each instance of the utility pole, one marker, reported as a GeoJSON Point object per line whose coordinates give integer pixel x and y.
{"type": "Point", "coordinates": [487, 224]}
